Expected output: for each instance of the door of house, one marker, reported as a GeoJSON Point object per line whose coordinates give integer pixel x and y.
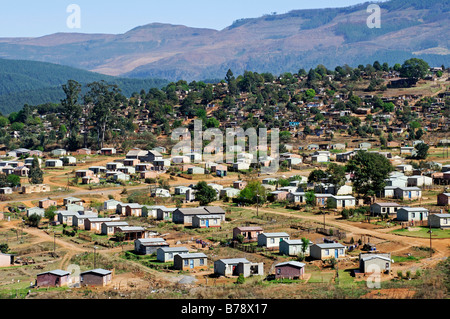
{"type": "Point", "coordinates": [336, 253]}
{"type": "Point", "coordinates": [191, 263]}
{"type": "Point", "coordinates": [409, 195]}
{"type": "Point", "coordinates": [207, 223]}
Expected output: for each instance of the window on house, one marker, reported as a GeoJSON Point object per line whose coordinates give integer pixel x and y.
{"type": "Point", "coordinates": [186, 262]}
{"type": "Point", "coordinates": [327, 252]}
{"type": "Point", "coordinates": [202, 262]}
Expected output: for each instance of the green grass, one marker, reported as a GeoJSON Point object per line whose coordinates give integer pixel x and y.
{"type": "Point", "coordinates": [321, 277]}
{"type": "Point", "coordinates": [422, 232]}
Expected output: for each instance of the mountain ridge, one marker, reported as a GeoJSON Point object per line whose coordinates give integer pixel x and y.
{"type": "Point", "coordinates": [272, 43]}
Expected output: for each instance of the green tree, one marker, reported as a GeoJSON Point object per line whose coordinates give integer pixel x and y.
{"type": "Point", "coordinates": [102, 97]}
{"type": "Point", "coordinates": [13, 180]}
{"type": "Point", "coordinates": [369, 172]}
{"type": "Point", "coordinates": [316, 176]}
{"type": "Point", "coordinates": [310, 198]}
{"type": "Point", "coordinates": [35, 175]}
{"type": "Point", "coordinates": [422, 151]}
{"type": "Point", "coordinates": [414, 69]}
{"type": "Point", "coordinates": [205, 194]}
{"type": "Point", "coordinates": [49, 212]}
{"type": "Point", "coordinates": [71, 109]}
{"type": "Point", "coordinates": [336, 174]}
{"type": "Point", "coordinates": [253, 193]}
{"type": "Point", "coordinates": [34, 220]}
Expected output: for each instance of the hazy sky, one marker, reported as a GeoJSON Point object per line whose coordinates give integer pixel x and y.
{"type": "Point", "coordinates": [33, 18]}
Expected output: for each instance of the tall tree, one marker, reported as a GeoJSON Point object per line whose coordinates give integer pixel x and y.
{"type": "Point", "coordinates": [71, 109]}
{"type": "Point", "coordinates": [205, 194]}
{"type": "Point", "coordinates": [35, 175]}
{"type": "Point", "coordinates": [414, 69]}
{"type": "Point", "coordinates": [336, 174]}
{"type": "Point", "coordinates": [102, 97]}
{"type": "Point", "coordinates": [369, 172]}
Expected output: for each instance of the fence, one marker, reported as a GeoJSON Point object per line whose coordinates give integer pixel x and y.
{"type": "Point", "coordinates": [413, 223]}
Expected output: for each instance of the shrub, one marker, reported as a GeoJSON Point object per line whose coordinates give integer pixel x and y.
{"type": "Point", "coordinates": [240, 280]}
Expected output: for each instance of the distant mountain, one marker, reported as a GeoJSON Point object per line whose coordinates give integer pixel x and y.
{"type": "Point", "coordinates": [30, 82]}
{"type": "Point", "coordinates": [272, 43]}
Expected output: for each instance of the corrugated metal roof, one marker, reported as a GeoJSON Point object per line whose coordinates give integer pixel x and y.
{"type": "Point", "coordinates": [56, 272]}
{"type": "Point", "coordinates": [99, 271]}
{"type": "Point", "coordinates": [192, 255]}
{"type": "Point", "coordinates": [291, 263]}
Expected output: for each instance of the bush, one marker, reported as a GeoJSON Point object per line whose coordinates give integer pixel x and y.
{"type": "Point", "coordinates": [240, 280]}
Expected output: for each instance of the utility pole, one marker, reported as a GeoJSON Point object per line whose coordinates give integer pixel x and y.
{"type": "Point", "coordinates": [257, 204]}
{"type": "Point", "coordinates": [95, 248]}
{"type": "Point", "coordinates": [431, 249]}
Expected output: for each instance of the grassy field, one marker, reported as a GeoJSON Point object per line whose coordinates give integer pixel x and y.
{"type": "Point", "coordinates": [422, 232]}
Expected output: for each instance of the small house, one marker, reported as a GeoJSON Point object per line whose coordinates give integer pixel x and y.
{"type": "Point", "coordinates": [419, 181]}
{"type": "Point", "coordinates": [250, 233]}
{"type": "Point", "coordinates": [443, 199]}
{"type": "Point", "coordinates": [164, 213]}
{"type": "Point", "coordinates": [412, 214]}
{"type": "Point", "coordinates": [206, 221]}
{"type": "Point", "coordinates": [6, 190]}
{"type": "Point", "coordinates": [293, 247]}
{"type": "Point", "coordinates": [190, 261]}
{"type": "Point", "coordinates": [271, 240]}
{"type": "Point", "coordinates": [96, 277]}
{"type": "Point", "coordinates": [59, 152]}
{"type": "Point", "coordinates": [108, 151]}
{"type": "Point", "coordinates": [439, 221]}
{"type": "Point", "coordinates": [290, 270]}
{"type": "Point", "coordinates": [327, 251]}
{"type": "Point", "coordinates": [53, 163]}
{"type": "Point", "coordinates": [53, 278]}
{"type": "Point", "coordinates": [6, 260]}
{"type": "Point", "coordinates": [166, 254]}
{"type": "Point", "coordinates": [109, 228]}
{"type": "Point", "coordinates": [237, 266]}
{"type": "Point", "coordinates": [341, 201]}
{"type": "Point", "coordinates": [148, 246]}
{"type": "Point", "coordinates": [377, 209]}
{"type": "Point", "coordinates": [370, 262]}
{"type": "Point", "coordinates": [410, 193]}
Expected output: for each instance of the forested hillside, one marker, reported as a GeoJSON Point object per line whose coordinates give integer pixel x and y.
{"type": "Point", "coordinates": [31, 82]}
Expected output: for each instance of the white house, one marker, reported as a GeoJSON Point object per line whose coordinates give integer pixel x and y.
{"type": "Point", "coordinates": [412, 214]}
{"type": "Point", "coordinates": [53, 163]}
{"type": "Point", "coordinates": [419, 180]}
{"type": "Point", "coordinates": [342, 201]}
{"type": "Point", "coordinates": [272, 240]}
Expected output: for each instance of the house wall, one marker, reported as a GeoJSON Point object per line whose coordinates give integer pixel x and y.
{"type": "Point", "coordinates": [91, 279]}
{"type": "Point", "coordinates": [292, 249]}
{"type": "Point", "coordinates": [369, 265]}
{"type": "Point", "coordinates": [249, 269]}
{"type": "Point", "coordinates": [288, 271]}
{"type": "Point", "coordinates": [403, 215]}
{"type": "Point", "coordinates": [179, 263]}
{"type": "Point", "coordinates": [318, 253]}
{"type": "Point", "coordinates": [443, 200]}
{"type": "Point", "coordinates": [5, 260]}
{"type": "Point", "coordinates": [437, 222]}
{"type": "Point", "coordinates": [50, 280]}
{"type": "Point", "coordinates": [270, 242]}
